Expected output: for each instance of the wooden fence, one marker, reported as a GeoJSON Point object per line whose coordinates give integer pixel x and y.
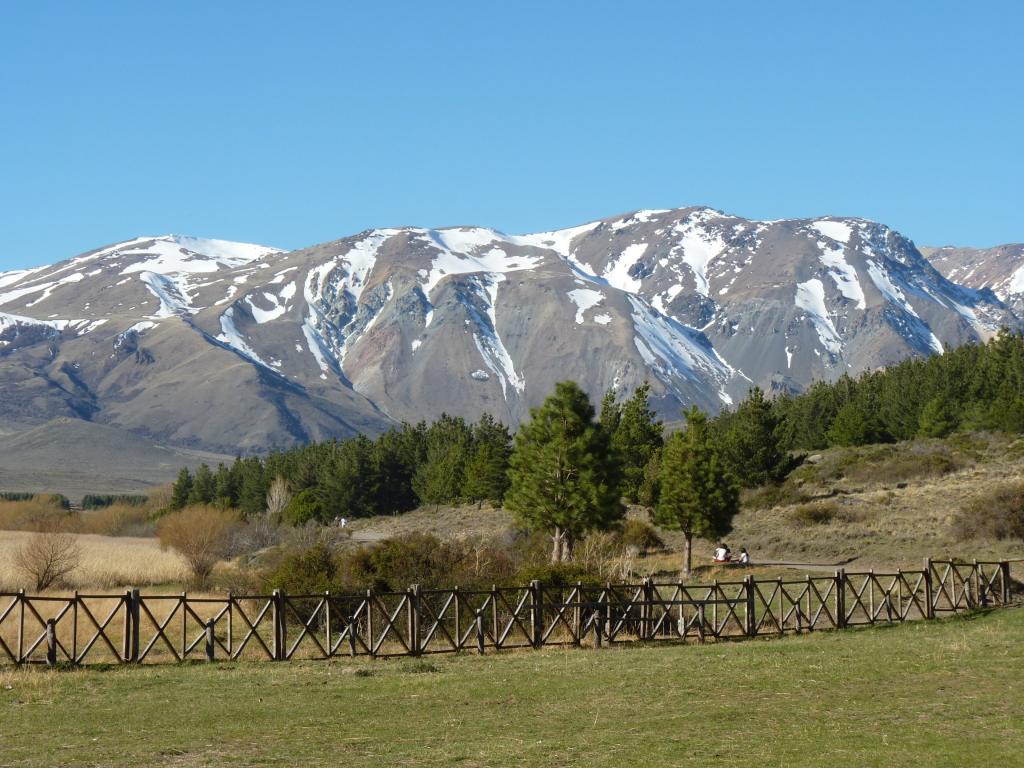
{"type": "Point", "coordinates": [134, 628]}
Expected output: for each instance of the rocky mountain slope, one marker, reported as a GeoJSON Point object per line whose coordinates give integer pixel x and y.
{"type": "Point", "coordinates": [999, 269]}
{"type": "Point", "coordinates": [233, 347]}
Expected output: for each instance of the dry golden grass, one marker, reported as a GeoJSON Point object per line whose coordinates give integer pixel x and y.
{"type": "Point", "coordinates": [441, 520]}
{"type": "Point", "coordinates": [44, 513]}
{"type": "Point", "coordinates": [107, 562]}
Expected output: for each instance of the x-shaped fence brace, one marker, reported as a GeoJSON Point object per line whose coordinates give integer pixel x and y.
{"type": "Point", "coordinates": [430, 621]}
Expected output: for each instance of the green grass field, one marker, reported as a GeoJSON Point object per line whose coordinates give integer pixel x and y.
{"type": "Point", "coordinates": [945, 693]}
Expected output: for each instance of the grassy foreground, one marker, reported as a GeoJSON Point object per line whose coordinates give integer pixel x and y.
{"type": "Point", "coordinates": [947, 693]}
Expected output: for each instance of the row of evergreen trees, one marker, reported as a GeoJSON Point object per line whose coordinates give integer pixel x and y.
{"type": "Point", "coordinates": [973, 387]}
{"type": "Point", "coordinates": [444, 462]}
{"type": "Point", "coordinates": [569, 468]}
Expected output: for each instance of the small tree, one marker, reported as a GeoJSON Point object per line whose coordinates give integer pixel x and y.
{"type": "Point", "coordinates": [48, 558]}
{"type": "Point", "coordinates": [200, 534]}
{"type": "Point", "coordinates": [182, 489]}
{"type": "Point", "coordinates": [204, 486]}
{"type": "Point", "coordinates": [698, 495]}
{"type": "Point", "coordinates": [563, 476]}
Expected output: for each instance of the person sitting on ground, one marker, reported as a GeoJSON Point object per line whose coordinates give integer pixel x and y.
{"type": "Point", "coordinates": [721, 553]}
{"type": "Point", "coordinates": [744, 558]}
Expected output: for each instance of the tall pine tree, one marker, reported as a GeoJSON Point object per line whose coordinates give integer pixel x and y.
{"type": "Point", "coordinates": [563, 476]}
{"type": "Point", "coordinates": [751, 443]}
{"type": "Point", "coordinates": [486, 471]}
{"type": "Point", "coordinates": [698, 494]}
{"type": "Point", "coordinates": [635, 439]}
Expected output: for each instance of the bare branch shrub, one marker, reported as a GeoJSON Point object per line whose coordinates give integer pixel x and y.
{"type": "Point", "coordinates": [200, 534]}
{"type": "Point", "coordinates": [278, 497]}
{"type": "Point", "coordinates": [48, 558]}
{"type": "Point", "coordinates": [996, 514]}
{"type": "Point", "coordinates": [257, 533]}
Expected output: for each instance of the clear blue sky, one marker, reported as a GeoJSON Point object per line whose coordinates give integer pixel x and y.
{"type": "Point", "coordinates": [294, 123]}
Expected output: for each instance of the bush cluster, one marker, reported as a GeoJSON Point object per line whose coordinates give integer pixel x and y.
{"type": "Point", "coordinates": [997, 514]}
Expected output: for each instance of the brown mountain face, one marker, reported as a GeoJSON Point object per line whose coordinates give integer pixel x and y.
{"type": "Point", "coordinates": [231, 347]}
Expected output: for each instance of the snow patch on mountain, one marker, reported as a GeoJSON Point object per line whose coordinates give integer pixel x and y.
{"type": "Point", "coordinates": [231, 337]}
{"type": "Point", "coordinates": [459, 255]}
{"type": "Point", "coordinates": [47, 289]}
{"type": "Point", "coordinates": [279, 304]}
{"type": "Point", "coordinates": [842, 273]}
{"type": "Point", "coordinates": [170, 293]}
{"type": "Point", "coordinates": [616, 274]}
{"type": "Point", "coordinates": [810, 297]}
{"type": "Point", "coordinates": [698, 246]}
{"type": "Point", "coordinates": [674, 350]}
{"type": "Point", "coordinates": [584, 299]}
{"type": "Point", "coordinates": [887, 287]}
{"type": "Point", "coordinates": [179, 255]}
{"type": "Point", "coordinates": [839, 231]}
{"type": "Point", "coordinates": [484, 291]}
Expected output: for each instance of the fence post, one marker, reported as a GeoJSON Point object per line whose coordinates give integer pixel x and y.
{"type": "Point", "coordinates": [749, 594]}
{"type": "Point", "coordinates": [136, 609]}
{"type": "Point", "coordinates": [414, 619]}
{"type": "Point", "coordinates": [597, 623]}
{"type": "Point", "coordinates": [480, 632]}
{"type": "Point", "coordinates": [929, 600]}
{"type": "Point", "coordinates": [74, 628]}
{"type": "Point", "coordinates": [209, 639]}
{"type": "Point", "coordinates": [21, 625]}
{"type": "Point", "coordinates": [369, 624]}
{"type": "Point", "coordinates": [981, 589]}
{"type": "Point", "coordinates": [276, 618]}
{"type": "Point", "coordinates": [126, 636]}
{"type": "Point", "coordinates": [1004, 569]}
{"type": "Point", "coordinates": [327, 622]}
{"type": "Point", "coordinates": [841, 599]}
{"type": "Point", "coordinates": [647, 611]}
{"type": "Point", "coordinates": [51, 643]}
{"type": "Point", "coordinates": [537, 613]}
{"type": "Point", "coordinates": [352, 627]}
{"type": "Point", "coordinates": [577, 614]}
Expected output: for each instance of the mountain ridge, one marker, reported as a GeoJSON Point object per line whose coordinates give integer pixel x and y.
{"type": "Point", "coordinates": [232, 347]}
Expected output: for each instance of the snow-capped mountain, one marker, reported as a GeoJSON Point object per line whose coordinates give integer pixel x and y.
{"type": "Point", "coordinates": [230, 346]}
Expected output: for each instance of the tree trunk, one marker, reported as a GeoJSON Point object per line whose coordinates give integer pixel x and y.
{"type": "Point", "coordinates": [687, 551]}
{"type": "Point", "coordinates": [557, 539]}
{"type": "Point", "coordinates": [567, 545]}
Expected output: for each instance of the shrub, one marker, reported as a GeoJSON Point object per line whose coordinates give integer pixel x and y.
{"type": "Point", "coordinates": [306, 571]}
{"type": "Point", "coordinates": [117, 520]}
{"type": "Point", "coordinates": [48, 558]}
{"type": "Point", "coordinates": [997, 514]}
{"type": "Point", "coordinates": [200, 534]}
{"type": "Point", "coordinates": [559, 574]}
{"type": "Point", "coordinates": [40, 512]}
{"type": "Point", "coordinates": [814, 514]}
{"type": "Point", "coordinates": [640, 535]}
{"type": "Point", "coordinates": [768, 496]}
{"type": "Point", "coordinates": [305, 506]}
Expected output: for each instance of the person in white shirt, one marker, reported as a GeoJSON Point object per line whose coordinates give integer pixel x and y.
{"type": "Point", "coordinates": [744, 558]}
{"type": "Point", "coordinates": [722, 554]}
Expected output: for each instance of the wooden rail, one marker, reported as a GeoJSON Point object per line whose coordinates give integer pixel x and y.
{"type": "Point", "coordinates": [137, 628]}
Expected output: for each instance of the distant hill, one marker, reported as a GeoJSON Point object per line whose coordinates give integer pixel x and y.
{"type": "Point", "coordinates": [76, 457]}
